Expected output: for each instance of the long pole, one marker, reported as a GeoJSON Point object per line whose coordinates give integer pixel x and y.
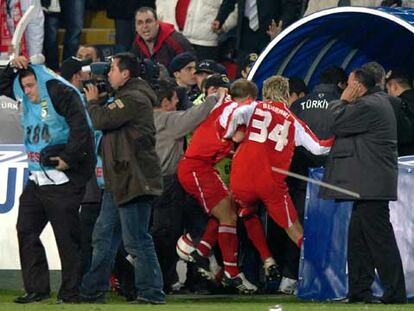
{"type": "Point", "coordinates": [317, 182]}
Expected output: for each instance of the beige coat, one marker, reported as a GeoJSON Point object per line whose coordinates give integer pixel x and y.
{"type": "Point", "coordinates": [200, 15]}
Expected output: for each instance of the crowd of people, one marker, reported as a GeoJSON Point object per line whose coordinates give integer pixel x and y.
{"type": "Point", "coordinates": [221, 30]}
{"type": "Point", "coordinates": [128, 154]}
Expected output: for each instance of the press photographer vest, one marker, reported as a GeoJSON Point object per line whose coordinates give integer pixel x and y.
{"type": "Point", "coordinates": [42, 125]}
{"type": "Point", "coordinates": [99, 166]}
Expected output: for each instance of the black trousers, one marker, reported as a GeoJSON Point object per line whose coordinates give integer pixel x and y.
{"type": "Point", "coordinates": [206, 52]}
{"type": "Point", "coordinates": [251, 41]}
{"type": "Point", "coordinates": [372, 245]}
{"type": "Point", "coordinates": [59, 205]}
{"type": "Point", "coordinates": [88, 215]}
{"type": "Point", "coordinates": [175, 212]}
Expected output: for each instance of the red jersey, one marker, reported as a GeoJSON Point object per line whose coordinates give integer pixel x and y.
{"type": "Point", "coordinates": [207, 143]}
{"type": "Point", "coordinates": [272, 134]}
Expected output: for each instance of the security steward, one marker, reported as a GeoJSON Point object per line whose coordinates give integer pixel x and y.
{"type": "Point", "coordinates": [61, 160]}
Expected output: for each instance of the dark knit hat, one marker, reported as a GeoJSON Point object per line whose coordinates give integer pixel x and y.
{"type": "Point", "coordinates": [180, 61]}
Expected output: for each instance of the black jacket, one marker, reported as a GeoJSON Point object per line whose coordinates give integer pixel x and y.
{"type": "Point", "coordinates": [125, 9]}
{"type": "Point", "coordinates": [364, 156]}
{"type": "Point", "coordinates": [79, 151]}
{"type": "Point", "coordinates": [314, 110]}
{"type": "Point", "coordinates": [405, 116]}
{"type": "Point", "coordinates": [286, 10]}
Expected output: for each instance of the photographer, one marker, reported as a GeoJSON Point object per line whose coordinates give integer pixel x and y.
{"type": "Point", "coordinates": [72, 69]}
{"type": "Point", "coordinates": [132, 178]}
{"type": "Point", "coordinates": [61, 160]}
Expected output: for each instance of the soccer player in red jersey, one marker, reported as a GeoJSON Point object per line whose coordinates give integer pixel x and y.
{"type": "Point", "coordinates": [198, 177]}
{"type": "Point", "coordinates": [269, 142]}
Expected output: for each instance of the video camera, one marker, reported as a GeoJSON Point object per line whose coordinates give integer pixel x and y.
{"type": "Point", "coordinates": [148, 70]}
{"type": "Point", "coordinates": [99, 76]}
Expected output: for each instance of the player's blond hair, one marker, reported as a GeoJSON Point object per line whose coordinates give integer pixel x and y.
{"type": "Point", "coordinates": [276, 88]}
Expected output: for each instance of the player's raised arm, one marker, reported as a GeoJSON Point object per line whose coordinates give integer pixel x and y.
{"type": "Point", "coordinates": [306, 138]}
{"type": "Point", "coordinates": [240, 116]}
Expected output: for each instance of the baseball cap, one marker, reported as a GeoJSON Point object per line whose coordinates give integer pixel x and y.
{"type": "Point", "coordinates": [180, 61]}
{"type": "Point", "coordinates": [217, 80]}
{"type": "Point", "coordinates": [72, 65]}
{"type": "Point", "coordinates": [221, 69]}
{"type": "Point", "coordinates": [249, 60]}
{"type": "Point", "coordinates": [207, 66]}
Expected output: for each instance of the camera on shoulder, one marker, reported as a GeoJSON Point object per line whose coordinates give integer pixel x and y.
{"type": "Point", "coordinates": [99, 76]}
{"type": "Point", "coordinates": [150, 72]}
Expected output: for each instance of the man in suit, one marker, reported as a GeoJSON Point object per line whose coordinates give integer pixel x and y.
{"type": "Point", "coordinates": [364, 159]}
{"type": "Point", "coordinates": [256, 18]}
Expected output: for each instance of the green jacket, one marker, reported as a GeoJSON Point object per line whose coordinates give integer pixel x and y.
{"type": "Point", "coordinates": [130, 164]}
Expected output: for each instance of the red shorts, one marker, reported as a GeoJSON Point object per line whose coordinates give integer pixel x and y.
{"type": "Point", "coordinates": [275, 196]}
{"type": "Point", "coordinates": [202, 182]}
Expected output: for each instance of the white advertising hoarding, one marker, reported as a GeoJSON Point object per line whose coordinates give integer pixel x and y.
{"type": "Point", "coordinates": [13, 173]}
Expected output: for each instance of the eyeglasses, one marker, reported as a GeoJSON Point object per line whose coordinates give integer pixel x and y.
{"type": "Point", "coordinates": [148, 21]}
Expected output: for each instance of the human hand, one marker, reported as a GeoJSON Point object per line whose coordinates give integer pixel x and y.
{"type": "Point", "coordinates": [238, 136]}
{"type": "Point", "coordinates": [91, 92]}
{"type": "Point", "coordinates": [222, 93]}
{"type": "Point", "coordinates": [62, 165]}
{"type": "Point", "coordinates": [353, 91]}
{"type": "Point", "coordinates": [215, 26]}
{"type": "Point", "coordinates": [20, 62]}
{"type": "Point", "coordinates": [274, 29]}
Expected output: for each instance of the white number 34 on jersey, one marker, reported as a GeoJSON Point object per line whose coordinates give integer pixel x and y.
{"type": "Point", "coordinates": [279, 134]}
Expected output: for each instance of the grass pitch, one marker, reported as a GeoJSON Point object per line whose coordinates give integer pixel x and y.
{"type": "Point", "coordinates": [195, 303]}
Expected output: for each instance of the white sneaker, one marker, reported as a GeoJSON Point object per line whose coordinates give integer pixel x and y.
{"type": "Point", "coordinates": [240, 282]}
{"type": "Point", "coordinates": [216, 270]}
{"type": "Point", "coordinates": [177, 286]}
{"type": "Point", "coordinates": [288, 286]}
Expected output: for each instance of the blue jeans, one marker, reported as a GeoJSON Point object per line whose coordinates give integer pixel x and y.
{"type": "Point", "coordinates": [129, 223]}
{"type": "Point", "coordinates": [72, 14]}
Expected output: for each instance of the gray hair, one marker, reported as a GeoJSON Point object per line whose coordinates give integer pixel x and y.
{"type": "Point", "coordinates": [377, 71]}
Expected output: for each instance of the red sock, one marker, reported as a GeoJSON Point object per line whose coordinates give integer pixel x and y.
{"type": "Point", "coordinates": [229, 243]}
{"type": "Point", "coordinates": [257, 236]}
{"type": "Point", "coordinates": [209, 238]}
{"type": "Point", "coordinates": [299, 243]}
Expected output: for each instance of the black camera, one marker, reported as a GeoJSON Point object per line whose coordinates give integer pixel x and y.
{"type": "Point", "coordinates": [103, 86]}
{"type": "Point", "coordinates": [99, 72]}
{"type": "Point", "coordinates": [98, 68]}
{"type": "Point", "coordinates": [51, 151]}
{"type": "Point", "coordinates": [150, 72]}
{"type": "Point", "coordinates": [99, 76]}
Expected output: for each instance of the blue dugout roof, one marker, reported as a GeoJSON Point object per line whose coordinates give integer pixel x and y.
{"type": "Point", "coordinates": [347, 37]}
